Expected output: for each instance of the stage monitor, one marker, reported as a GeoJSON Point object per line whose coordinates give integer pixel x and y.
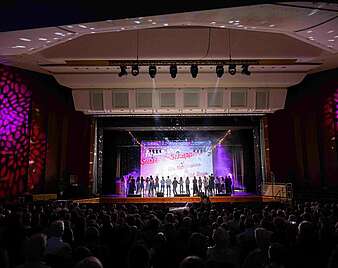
{"type": "Point", "coordinates": [176, 158]}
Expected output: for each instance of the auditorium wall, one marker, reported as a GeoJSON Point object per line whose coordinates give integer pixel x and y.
{"type": "Point", "coordinates": [303, 136]}
{"type": "Point", "coordinates": [43, 140]}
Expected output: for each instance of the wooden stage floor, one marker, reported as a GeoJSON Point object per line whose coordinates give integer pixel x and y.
{"type": "Point", "coordinates": [111, 199]}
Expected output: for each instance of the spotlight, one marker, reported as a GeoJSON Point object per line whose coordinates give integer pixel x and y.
{"type": "Point", "coordinates": [173, 70]}
{"type": "Point", "coordinates": [152, 71]}
{"type": "Point", "coordinates": [194, 70]}
{"type": "Point", "coordinates": [134, 70]}
{"type": "Point", "coordinates": [232, 69]}
{"type": "Point", "coordinates": [219, 70]}
{"type": "Point", "coordinates": [245, 69]}
{"type": "Point", "coordinates": [123, 70]}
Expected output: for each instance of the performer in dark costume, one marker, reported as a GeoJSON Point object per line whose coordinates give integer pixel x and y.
{"type": "Point", "coordinates": [194, 186]}
{"type": "Point", "coordinates": [175, 182]}
{"type": "Point", "coordinates": [187, 186]}
{"type": "Point", "coordinates": [212, 184]}
{"type": "Point", "coordinates": [200, 185]}
{"type": "Point", "coordinates": [142, 186]}
{"type": "Point", "coordinates": [228, 185]}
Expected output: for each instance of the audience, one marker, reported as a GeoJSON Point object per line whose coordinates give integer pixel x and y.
{"type": "Point", "coordinates": [258, 235]}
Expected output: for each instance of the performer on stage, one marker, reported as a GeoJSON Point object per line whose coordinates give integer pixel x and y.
{"type": "Point", "coordinates": [206, 185]}
{"type": "Point", "coordinates": [147, 185]}
{"type": "Point", "coordinates": [123, 186]}
{"type": "Point", "coordinates": [131, 189]}
{"type": "Point", "coordinates": [181, 185]}
{"type": "Point", "coordinates": [194, 186]}
{"type": "Point", "coordinates": [138, 185]}
{"type": "Point", "coordinates": [175, 182]}
{"type": "Point", "coordinates": [157, 184]}
{"type": "Point", "coordinates": [228, 185]}
{"type": "Point", "coordinates": [200, 185]}
{"type": "Point", "coordinates": [168, 183]}
{"type": "Point", "coordinates": [187, 186]}
{"type": "Point", "coordinates": [142, 186]}
{"type": "Point", "coordinates": [151, 186]}
{"type": "Point", "coordinates": [162, 182]}
{"type": "Point", "coordinates": [212, 184]}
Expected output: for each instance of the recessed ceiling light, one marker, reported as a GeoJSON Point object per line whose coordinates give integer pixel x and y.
{"type": "Point", "coordinates": [165, 24]}
{"type": "Point", "coordinates": [19, 47]}
{"type": "Point", "coordinates": [336, 36]}
{"type": "Point", "coordinates": [230, 21]}
{"type": "Point", "coordinates": [108, 20]}
{"type": "Point", "coordinates": [331, 40]}
{"type": "Point", "coordinates": [92, 28]}
{"type": "Point", "coordinates": [48, 41]}
{"type": "Point", "coordinates": [213, 22]}
{"type": "Point", "coordinates": [69, 33]}
{"type": "Point", "coordinates": [56, 38]}
{"type": "Point", "coordinates": [92, 32]}
{"type": "Point", "coordinates": [150, 20]}
{"type": "Point", "coordinates": [331, 31]}
{"type": "Point", "coordinates": [240, 26]}
{"type": "Point", "coordinates": [222, 26]}
{"type": "Point", "coordinates": [32, 48]}
{"type": "Point", "coordinates": [253, 27]}
{"type": "Point", "coordinates": [236, 20]}
{"type": "Point", "coordinates": [153, 23]}
{"type": "Point", "coordinates": [330, 46]}
{"type": "Point", "coordinates": [309, 31]}
{"type": "Point", "coordinates": [60, 34]}
{"type": "Point", "coordinates": [42, 39]}
{"type": "Point", "coordinates": [25, 39]}
{"type": "Point", "coordinates": [83, 26]}
{"type": "Point", "coordinates": [137, 21]}
{"type": "Point", "coordinates": [70, 26]}
{"type": "Point", "coordinates": [272, 25]}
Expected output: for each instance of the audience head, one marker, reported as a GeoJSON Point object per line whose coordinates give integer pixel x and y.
{"type": "Point", "coordinates": [35, 247]}
{"type": "Point", "coordinates": [57, 228]}
{"type": "Point", "coordinates": [192, 262]}
{"type": "Point", "coordinates": [89, 262]}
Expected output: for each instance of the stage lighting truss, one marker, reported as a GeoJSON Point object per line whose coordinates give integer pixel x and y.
{"type": "Point", "coordinates": [194, 66]}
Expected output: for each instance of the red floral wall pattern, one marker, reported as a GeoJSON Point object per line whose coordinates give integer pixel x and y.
{"type": "Point", "coordinates": [15, 101]}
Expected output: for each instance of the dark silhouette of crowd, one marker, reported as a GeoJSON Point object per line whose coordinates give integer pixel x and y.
{"type": "Point", "coordinates": [258, 235]}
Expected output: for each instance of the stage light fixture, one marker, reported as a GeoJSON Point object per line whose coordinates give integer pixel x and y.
{"type": "Point", "coordinates": [232, 69]}
{"type": "Point", "coordinates": [219, 70]}
{"type": "Point", "coordinates": [135, 70]}
{"type": "Point", "coordinates": [123, 70]}
{"type": "Point", "coordinates": [173, 70]}
{"type": "Point", "coordinates": [152, 71]}
{"type": "Point", "coordinates": [245, 69]}
{"type": "Point", "coordinates": [194, 70]}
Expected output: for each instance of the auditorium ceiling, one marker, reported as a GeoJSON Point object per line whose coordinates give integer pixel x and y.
{"type": "Point", "coordinates": [281, 42]}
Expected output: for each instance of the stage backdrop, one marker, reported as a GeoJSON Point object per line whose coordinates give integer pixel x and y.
{"type": "Point", "coordinates": [176, 158]}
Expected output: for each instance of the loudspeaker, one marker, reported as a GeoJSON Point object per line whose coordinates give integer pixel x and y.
{"type": "Point", "coordinates": [160, 194]}
{"type": "Point", "coordinates": [181, 195]}
{"type": "Point", "coordinates": [134, 195]}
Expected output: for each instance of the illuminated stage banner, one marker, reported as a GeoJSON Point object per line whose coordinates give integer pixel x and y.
{"type": "Point", "coordinates": [176, 158]}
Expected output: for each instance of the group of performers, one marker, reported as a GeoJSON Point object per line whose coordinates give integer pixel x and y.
{"type": "Point", "coordinates": [150, 186]}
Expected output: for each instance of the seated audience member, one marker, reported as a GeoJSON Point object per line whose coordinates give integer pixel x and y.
{"type": "Point", "coordinates": [34, 251]}
{"type": "Point", "coordinates": [89, 262]}
{"type": "Point", "coordinates": [192, 262]}
{"type": "Point", "coordinates": [58, 253]}
{"type": "Point", "coordinates": [139, 257]}
{"type": "Point", "coordinates": [277, 256]}
{"type": "Point", "coordinates": [220, 254]}
{"type": "Point", "coordinates": [259, 257]}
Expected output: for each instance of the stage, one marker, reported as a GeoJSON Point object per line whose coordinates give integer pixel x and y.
{"type": "Point", "coordinates": [115, 199]}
